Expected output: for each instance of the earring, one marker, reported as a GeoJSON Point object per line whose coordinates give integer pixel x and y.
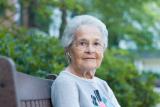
{"type": "Point", "coordinates": [68, 57]}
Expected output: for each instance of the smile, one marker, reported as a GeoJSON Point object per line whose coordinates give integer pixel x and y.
{"type": "Point", "coordinates": [89, 58]}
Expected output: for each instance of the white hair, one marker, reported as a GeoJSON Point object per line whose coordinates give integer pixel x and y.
{"type": "Point", "coordinates": [76, 22]}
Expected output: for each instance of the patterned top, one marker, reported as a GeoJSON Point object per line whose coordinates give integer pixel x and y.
{"type": "Point", "coordinates": [69, 90]}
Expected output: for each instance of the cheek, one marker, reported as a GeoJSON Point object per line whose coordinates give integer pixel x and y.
{"type": "Point", "coordinates": [75, 56]}
{"type": "Point", "coordinates": [99, 59]}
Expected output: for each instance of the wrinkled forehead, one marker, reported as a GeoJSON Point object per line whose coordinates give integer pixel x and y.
{"type": "Point", "coordinates": [88, 32]}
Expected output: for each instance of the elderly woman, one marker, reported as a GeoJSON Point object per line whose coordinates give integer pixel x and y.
{"type": "Point", "coordinates": [85, 40]}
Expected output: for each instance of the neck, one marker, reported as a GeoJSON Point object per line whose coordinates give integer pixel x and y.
{"type": "Point", "coordinates": [83, 73]}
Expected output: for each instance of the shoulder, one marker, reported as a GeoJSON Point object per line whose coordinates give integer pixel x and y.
{"type": "Point", "coordinates": [64, 79]}
{"type": "Point", "coordinates": [99, 80]}
{"type": "Point", "coordinates": [103, 83]}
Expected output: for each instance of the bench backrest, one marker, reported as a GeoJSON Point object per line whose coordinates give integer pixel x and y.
{"type": "Point", "coordinates": [22, 90]}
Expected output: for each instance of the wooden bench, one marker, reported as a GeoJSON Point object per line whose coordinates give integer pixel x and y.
{"type": "Point", "coordinates": [22, 90]}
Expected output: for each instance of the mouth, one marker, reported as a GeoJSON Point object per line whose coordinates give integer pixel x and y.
{"type": "Point", "coordinates": [89, 58]}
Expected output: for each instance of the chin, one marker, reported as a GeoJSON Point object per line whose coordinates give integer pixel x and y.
{"type": "Point", "coordinates": [89, 67]}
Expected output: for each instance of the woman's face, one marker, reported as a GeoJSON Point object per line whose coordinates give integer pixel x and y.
{"type": "Point", "coordinates": [87, 48]}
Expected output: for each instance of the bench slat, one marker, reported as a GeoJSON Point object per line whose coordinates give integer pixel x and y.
{"type": "Point", "coordinates": [38, 88]}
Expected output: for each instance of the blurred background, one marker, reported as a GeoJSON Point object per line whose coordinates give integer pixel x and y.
{"type": "Point", "coordinates": [30, 31]}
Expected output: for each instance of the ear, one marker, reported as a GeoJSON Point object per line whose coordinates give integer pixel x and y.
{"type": "Point", "coordinates": [67, 50]}
{"type": "Point", "coordinates": [67, 55]}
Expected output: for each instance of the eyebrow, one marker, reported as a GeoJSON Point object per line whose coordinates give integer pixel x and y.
{"type": "Point", "coordinates": [87, 40]}
{"type": "Point", "coordinates": [82, 40]}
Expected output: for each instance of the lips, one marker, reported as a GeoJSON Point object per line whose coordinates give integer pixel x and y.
{"type": "Point", "coordinates": [89, 58]}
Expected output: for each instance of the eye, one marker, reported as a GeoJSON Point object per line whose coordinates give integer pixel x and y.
{"type": "Point", "coordinates": [97, 44]}
{"type": "Point", "coordinates": [82, 43]}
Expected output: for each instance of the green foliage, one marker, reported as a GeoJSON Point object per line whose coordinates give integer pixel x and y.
{"type": "Point", "coordinates": [33, 52]}
{"type": "Point", "coordinates": [5, 5]}
{"type": "Point", "coordinates": [2, 6]}
{"type": "Point", "coordinates": [37, 12]}
{"type": "Point", "coordinates": [131, 88]}
{"type": "Point", "coordinates": [127, 19]}
{"type": "Point", "coordinates": [42, 15]}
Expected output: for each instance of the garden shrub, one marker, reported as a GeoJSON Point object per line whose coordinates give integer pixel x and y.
{"type": "Point", "coordinates": [130, 87]}
{"type": "Point", "coordinates": [33, 52]}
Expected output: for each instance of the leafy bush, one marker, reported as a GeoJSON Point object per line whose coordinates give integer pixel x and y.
{"type": "Point", "coordinates": [33, 52]}
{"type": "Point", "coordinates": [131, 88]}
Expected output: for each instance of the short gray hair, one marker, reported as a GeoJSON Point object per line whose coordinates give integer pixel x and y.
{"type": "Point", "coordinates": [76, 22]}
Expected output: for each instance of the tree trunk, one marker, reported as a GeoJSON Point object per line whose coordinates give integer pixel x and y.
{"type": "Point", "coordinates": [63, 18]}
{"type": "Point", "coordinates": [32, 8]}
{"type": "Point", "coordinates": [25, 15]}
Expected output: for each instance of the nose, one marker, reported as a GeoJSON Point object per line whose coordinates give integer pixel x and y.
{"type": "Point", "coordinates": [90, 48]}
